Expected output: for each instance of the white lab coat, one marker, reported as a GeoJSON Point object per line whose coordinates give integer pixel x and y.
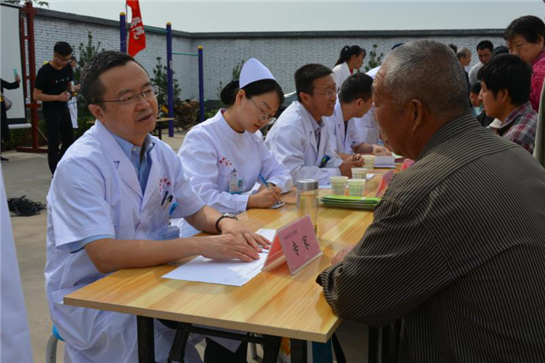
{"type": "Point", "coordinates": [210, 152]}
{"type": "Point", "coordinates": [342, 141]}
{"type": "Point", "coordinates": [14, 332]}
{"type": "Point", "coordinates": [369, 131]}
{"type": "Point", "coordinates": [340, 73]}
{"type": "Point", "coordinates": [96, 191]}
{"type": "Point", "coordinates": [293, 142]}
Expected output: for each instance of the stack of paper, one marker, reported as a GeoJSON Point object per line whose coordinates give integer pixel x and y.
{"type": "Point", "coordinates": [385, 162]}
{"type": "Point", "coordinates": [339, 201]}
{"type": "Point", "coordinates": [231, 272]}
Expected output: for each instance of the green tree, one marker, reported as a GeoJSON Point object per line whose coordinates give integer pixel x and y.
{"type": "Point", "coordinates": [374, 60]}
{"type": "Point", "coordinates": [86, 53]}
{"type": "Point", "coordinates": [22, 2]}
{"type": "Point", "coordinates": [235, 74]}
{"type": "Point", "coordinates": [160, 80]}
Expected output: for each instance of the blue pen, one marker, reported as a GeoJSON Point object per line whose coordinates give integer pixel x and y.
{"type": "Point", "coordinates": [263, 180]}
{"type": "Point", "coordinates": [172, 208]}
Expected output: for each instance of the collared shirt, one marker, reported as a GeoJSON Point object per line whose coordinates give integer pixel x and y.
{"type": "Point", "coordinates": [468, 285]}
{"type": "Point", "coordinates": [538, 76]}
{"type": "Point", "coordinates": [520, 126]}
{"type": "Point", "coordinates": [318, 126]}
{"type": "Point", "coordinates": [142, 165]}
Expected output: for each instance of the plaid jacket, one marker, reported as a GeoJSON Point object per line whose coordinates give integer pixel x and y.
{"type": "Point", "coordinates": [520, 126]}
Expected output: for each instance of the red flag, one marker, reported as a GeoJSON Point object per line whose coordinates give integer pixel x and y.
{"type": "Point", "coordinates": [137, 37]}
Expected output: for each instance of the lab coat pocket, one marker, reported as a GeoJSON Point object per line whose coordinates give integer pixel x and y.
{"type": "Point", "coordinates": [224, 175]}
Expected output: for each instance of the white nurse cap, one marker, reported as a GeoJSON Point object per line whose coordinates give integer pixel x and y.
{"type": "Point", "coordinates": [252, 71]}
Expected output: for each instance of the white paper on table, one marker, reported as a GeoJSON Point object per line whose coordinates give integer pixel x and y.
{"type": "Point", "coordinates": [385, 161]}
{"type": "Point", "coordinates": [231, 272]}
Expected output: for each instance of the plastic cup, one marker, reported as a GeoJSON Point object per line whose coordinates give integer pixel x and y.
{"type": "Point", "coordinates": [359, 173]}
{"type": "Point", "coordinates": [338, 184]}
{"type": "Point", "coordinates": [369, 161]}
{"type": "Point", "coordinates": [356, 187]}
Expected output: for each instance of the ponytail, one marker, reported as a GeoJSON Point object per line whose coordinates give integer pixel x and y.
{"type": "Point", "coordinates": [348, 52]}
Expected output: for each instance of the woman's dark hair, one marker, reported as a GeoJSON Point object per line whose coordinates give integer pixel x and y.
{"type": "Point", "coordinates": [508, 72]}
{"type": "Point", "coordinates": [358, 85]}
{"type": "Point", "coordinates": [347, 52]}
{"type": "Point", "coordinates": [229, 92]}
{"type": "Point", "coordinates": [529, 27]}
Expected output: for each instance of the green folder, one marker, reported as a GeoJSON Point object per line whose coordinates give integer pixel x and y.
{"type": "Point", "coordinates": [339, 201]}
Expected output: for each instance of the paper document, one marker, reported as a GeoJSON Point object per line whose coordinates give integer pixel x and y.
{"type": "Point", "coordinates": [231, 272]}
{"type": "Point", "coordinates": [385, 162]}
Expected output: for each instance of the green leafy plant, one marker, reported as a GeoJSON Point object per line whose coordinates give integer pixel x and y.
{"type": "Point", "coordinates": [86, 53]}
{"type": "Point", "coordinates": [160, 80]}
{"type": "Point", "coordinates": [235, 74]}
{"type": "Point", "coordinates": [374, 59]}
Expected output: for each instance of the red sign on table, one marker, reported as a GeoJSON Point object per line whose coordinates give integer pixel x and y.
{"type": "Point", "coordinates": [295, 243]}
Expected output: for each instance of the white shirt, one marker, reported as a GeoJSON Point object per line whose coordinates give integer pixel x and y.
{"type": "Point", "coordinates": [344, 136]}
{"type": "Point", "coordinates": [340, 73]}
{"type": "Point", "coordinates": [96, 191]}
{"type": "Point", "coordinates": [292, 140]}
{"type": "Point", "coordinates": [212, 151]}
{"type": "Point", "coordinates": [14, 332]}
{"type": "Point", "coordinates": [473, 73]}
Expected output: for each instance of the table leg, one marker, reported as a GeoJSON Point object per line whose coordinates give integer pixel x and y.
{"type": "Point", "coordinates": [299, 353]}
{"type": "Point", "coordinates": [373, 345]}
{"type": "Point", "coordinates": [146, 342]}
{"type": "Point", "coordinates": [271, 349]}
{"type": "Point", "coordinates": [160, 132]}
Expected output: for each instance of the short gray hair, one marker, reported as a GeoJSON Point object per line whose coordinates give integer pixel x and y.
{"type": "Point", "coordinates": [430, 72]}
{"type": "Point", "coordinates": [463, 52]}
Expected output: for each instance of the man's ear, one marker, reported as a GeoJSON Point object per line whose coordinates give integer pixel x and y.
{"type": "Point", "coordinates": [416, 113]}
{"type": "Point", "coordinates": [503, 96]}
{"type": "Point", "coordinates": [305, 98]}
{"type": "Point", "coordinates": [97, 111]}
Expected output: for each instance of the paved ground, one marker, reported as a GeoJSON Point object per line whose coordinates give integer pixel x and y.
{"type": "Point", "coordinates": [28, 174]}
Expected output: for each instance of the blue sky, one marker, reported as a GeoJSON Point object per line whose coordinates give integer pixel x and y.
{"type": "Point", "coordinates": [220, 16]}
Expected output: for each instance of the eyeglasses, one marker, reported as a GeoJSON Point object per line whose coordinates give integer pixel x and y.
{"type": "Point", "coordinates": [328, 92]}
{"type": "Point", "coordinates": [147, 94]}
{"type": "Point", "coordinates": [263, 116]}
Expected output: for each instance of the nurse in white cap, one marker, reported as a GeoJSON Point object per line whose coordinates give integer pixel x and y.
{"type": "Point", "coordinates": [225, 157]}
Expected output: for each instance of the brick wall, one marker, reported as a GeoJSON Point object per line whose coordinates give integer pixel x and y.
{"type": "Point", "coordinates": [282, 52]}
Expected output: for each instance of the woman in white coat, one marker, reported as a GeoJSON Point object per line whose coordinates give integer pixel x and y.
{"type": "Point", "coordinates": [225, 156]}
{"type": "Point", "coordinates": [350, 60]}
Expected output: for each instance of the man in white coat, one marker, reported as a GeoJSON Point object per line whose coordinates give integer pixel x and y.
{"type": "Point", "coordinates": [299, 140]}
{"type": "Point", "coordinates": [14, 333]}
{"type": "Point", "coordinates": [109, 206]}
{"type": "Point", "coordinates": [355, 99]}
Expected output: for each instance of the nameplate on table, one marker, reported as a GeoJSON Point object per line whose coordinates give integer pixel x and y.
{"type": "Point", "coordinates": [384, 183]}
{"type": "Point", "coordinates": [296, 244]}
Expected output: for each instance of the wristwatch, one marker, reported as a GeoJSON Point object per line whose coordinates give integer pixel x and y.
{"type": "Point", "coordinates": [224, 215]}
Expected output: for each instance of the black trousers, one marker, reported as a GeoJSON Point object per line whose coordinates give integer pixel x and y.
{"type": "Point", "coordinates": [59, 130]}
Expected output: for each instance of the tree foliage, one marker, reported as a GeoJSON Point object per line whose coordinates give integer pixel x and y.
{"type": "Point", "coordinates": [374, 59]}
{"type": "Point", "coordinates": [160, 80]}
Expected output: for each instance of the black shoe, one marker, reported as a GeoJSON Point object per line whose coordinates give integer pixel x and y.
{"type": "Point", "coordinates": [4, 159]}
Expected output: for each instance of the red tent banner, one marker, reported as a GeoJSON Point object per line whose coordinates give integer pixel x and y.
{"type": "Point", "coordinates": [137, 37]}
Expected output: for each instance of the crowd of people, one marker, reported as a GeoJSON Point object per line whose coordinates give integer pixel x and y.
{"type": "Point", "coordinates": [455, 248]}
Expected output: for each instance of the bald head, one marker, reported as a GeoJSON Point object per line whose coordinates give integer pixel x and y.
{"type": "Point", "coordinates": [430, 72]}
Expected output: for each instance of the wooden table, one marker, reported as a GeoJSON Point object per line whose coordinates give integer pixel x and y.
{"type": "Point", "coordinates": [274, 303]}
